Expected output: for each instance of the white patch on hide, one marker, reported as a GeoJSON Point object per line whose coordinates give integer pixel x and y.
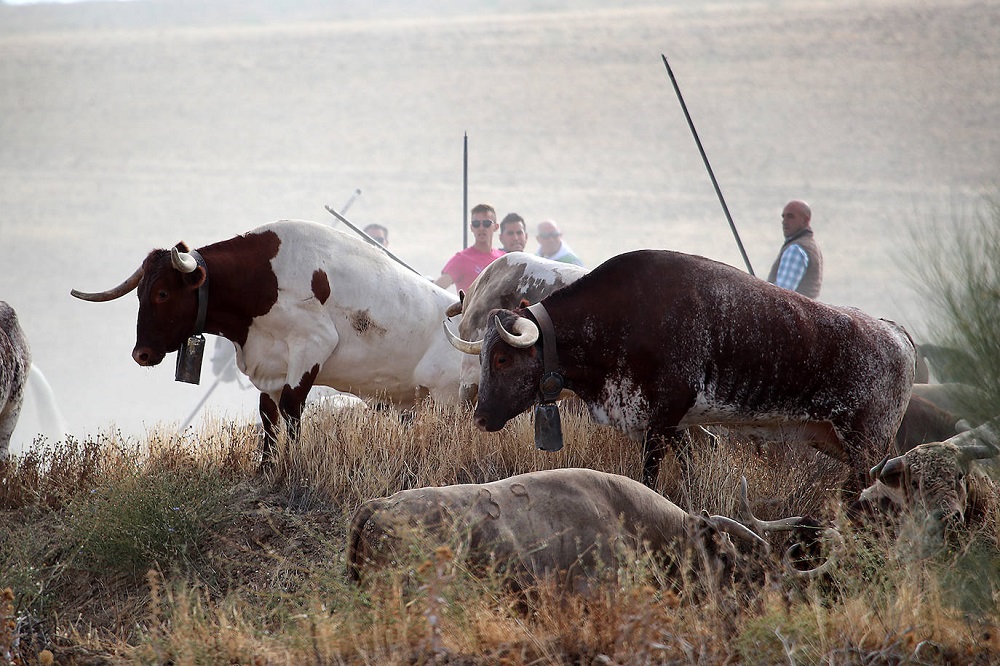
{"type": "Point", "coordinates": [623, 406]}
{"type": "Point", "coordinates": [707, 410]}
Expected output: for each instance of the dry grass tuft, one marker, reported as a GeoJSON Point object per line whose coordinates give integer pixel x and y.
{"type": "Point", "coordinates": [176, 550]}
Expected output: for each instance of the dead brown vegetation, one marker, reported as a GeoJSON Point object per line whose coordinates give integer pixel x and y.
{"type": "Point", "coordinates": [174, 550]}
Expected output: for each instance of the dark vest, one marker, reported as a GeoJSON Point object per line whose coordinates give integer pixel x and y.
{"type": "Point", "coordinates": [813, 279]}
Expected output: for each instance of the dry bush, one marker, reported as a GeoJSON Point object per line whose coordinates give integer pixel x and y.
{"type": "Point", "coordinates": [348, 456]}
{"type": "Point", "coordinates": [954, 268]}
{"type": "Point", "coordinates": [259, 576]}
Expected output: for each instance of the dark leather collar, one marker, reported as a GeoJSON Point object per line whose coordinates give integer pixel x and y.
{"type": "Point", "coordinates": [552, 382]}
{"type": "Point", "coordinates": [199, 323]}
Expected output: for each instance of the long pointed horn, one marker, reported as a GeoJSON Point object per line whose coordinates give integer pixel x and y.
{"type": "Point", "coordinates": [182, 261]}
{"type": "Point", "coordinates": [783, 525]}
{"type": "Point", "coordinates": [525, 332]}
{"type": "Point", "coordinates": [462, 345]}
{"type": "Point", "coordinates": [788, 524]}
{"type": "Point", "coordinates": [111, 294]}
{"type": "Point", "coordinates": [738, 529]}
{"type": "Point", "coordinates": [978, 451]}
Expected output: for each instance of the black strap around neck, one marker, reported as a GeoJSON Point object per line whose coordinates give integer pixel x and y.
{"type": "Point", "coordinates": [199, 323]}
{"type": "Point", "coordinates": [552, 382]}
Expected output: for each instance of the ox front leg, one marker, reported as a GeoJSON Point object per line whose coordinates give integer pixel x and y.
{"type": "Point", "coordinates": [293, 401]}
{"type": "Point", "coordinates": [654, 446]}
{"type": "Point", "coordinates": [269, 420]}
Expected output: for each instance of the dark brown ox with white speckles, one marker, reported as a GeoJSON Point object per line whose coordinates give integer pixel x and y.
{"type": "Point", "coordinates": [304, 304]}
{"type": "Point", "coordinates": [656, 341]}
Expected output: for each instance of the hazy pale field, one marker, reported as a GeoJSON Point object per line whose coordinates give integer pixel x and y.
{"type": "Point", "coordinates": [129, 126]}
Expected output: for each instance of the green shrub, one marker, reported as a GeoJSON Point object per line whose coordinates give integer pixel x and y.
{"type": "Point", "coordinates": [155, 516]}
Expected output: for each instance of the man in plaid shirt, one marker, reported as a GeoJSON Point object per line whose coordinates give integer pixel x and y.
{"type": "Point", "coordinates": [799, 266]}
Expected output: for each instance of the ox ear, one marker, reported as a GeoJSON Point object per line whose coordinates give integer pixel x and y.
{"type": "Point", "coordinates": [892, 472]}
{"type": "Point", "coordinates": [877, 469]}
{"type": "Point", "coordinates": [453, 309]}
{"type": "Point", "coordinates": [524, 303]}
{"type": "Point", "coordinates": [195, 278]}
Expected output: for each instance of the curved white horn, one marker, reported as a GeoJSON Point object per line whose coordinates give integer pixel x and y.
{"type": "Point", "coordinates": [182, 261]}
{"type": "Point", "coordinates": [525, 332]}
{"type": "Point", "coordinates": [739, 530]}
{"type": "Point", "coordinates": [830, 533]}
{"type": "Point", "coordinates": [462, 345]}
{"type": "Point", "coordinates": [111, 294]}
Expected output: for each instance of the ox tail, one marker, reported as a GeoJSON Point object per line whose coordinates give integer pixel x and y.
{"type": "Point", "coordinates": [50, 421]}
{"type": "Point", "coordinates": [49, 415]}
{"type": "Point", "coordinates": [356, 544]}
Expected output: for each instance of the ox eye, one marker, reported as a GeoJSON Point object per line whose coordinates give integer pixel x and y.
{"type": "Point", "coordinates": [500, 360]}
{"type": "Point", "coordinates": [162, 295]}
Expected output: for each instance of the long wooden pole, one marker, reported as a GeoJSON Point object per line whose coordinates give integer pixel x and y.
{"type": "Point", "coordinates": [370, 240]}
{"type": "Point", "coordinates": [465, 191]}
{"type": "Point", "coordinates": [708, 166]}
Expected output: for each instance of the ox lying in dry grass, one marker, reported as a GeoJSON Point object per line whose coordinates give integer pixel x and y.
{"type": "Point", "coordinates": [562, 526]}
{"type": "Point", "coordinates": [938, 484]}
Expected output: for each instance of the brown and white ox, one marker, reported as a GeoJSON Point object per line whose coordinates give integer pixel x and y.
{"type": "Point", "coordinates": [305, 305]}
{"type": "Point", "coordinates": [561, 525]}
{"type": "Point", "coordinates": [15, 364]}
{"type": "Point", "coordinates": [505, 283]}
{"type": "Point", "coordinates": [655, 341]}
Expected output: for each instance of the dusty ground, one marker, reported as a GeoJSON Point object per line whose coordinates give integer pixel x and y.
{"type": "Point", "coordinates": [128, 126]}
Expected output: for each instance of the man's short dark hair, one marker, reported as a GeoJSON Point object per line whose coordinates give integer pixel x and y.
{"type": "Point", "coordinates": [512, 218]}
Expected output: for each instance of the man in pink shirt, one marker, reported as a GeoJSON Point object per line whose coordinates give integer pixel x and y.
{"type": "Point", "coordinates": [464, 266]}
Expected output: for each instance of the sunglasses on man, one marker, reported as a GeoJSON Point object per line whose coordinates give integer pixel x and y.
{"type": "Point", "coordinates": [486, 224]}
